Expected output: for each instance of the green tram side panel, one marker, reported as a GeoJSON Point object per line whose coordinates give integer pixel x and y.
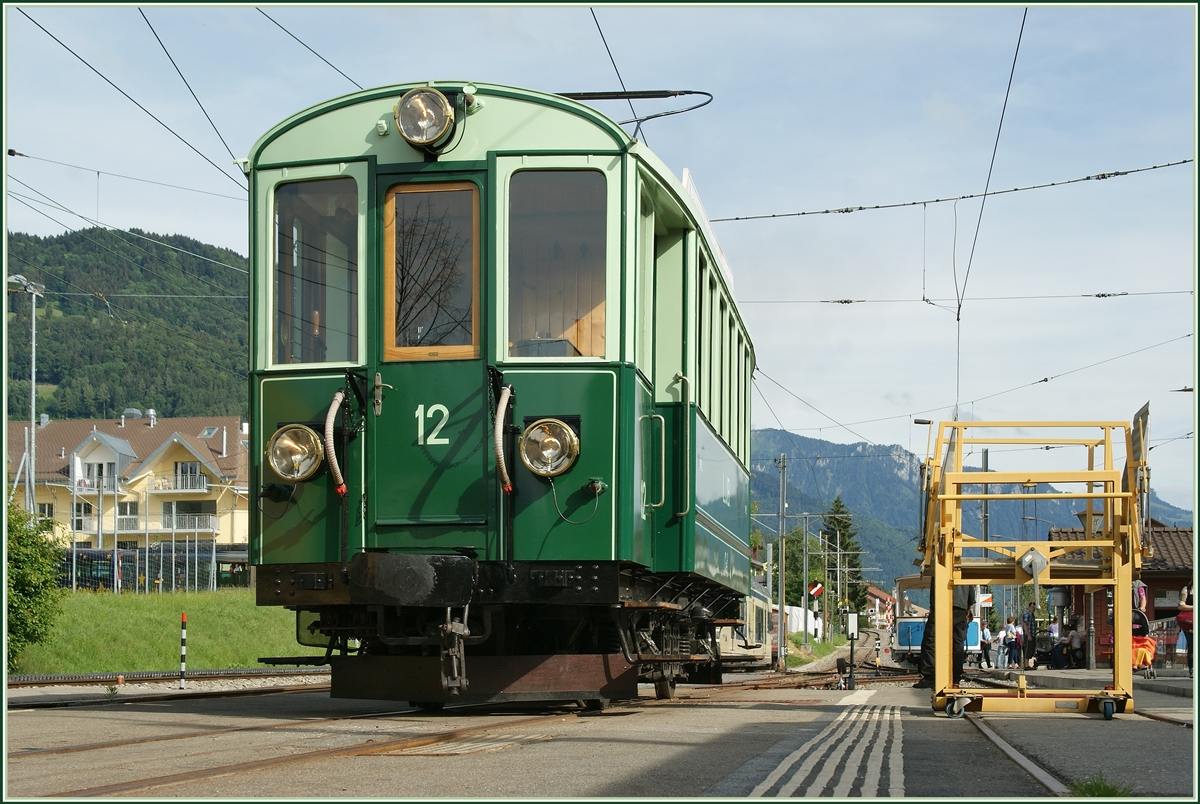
{"type": "Point", "coordinates": [510, 120]}
{"type": "Point", "coordinates": [713, 538]}
{"type": "Point", "coordinates": [639, 454]}
{"type": "Point", "coordinates": [306, 529]}
{"type": "Point", "coordinates": [540, 534]}
{"type": "Point", "coordinates": [429, 459]}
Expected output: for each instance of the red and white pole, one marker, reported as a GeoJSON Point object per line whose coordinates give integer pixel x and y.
{"type": "Point", "coordinates": [182, 649]}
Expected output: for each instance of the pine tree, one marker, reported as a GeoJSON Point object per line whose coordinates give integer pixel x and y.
{"type": "Point", "coordinates": [838, 530]}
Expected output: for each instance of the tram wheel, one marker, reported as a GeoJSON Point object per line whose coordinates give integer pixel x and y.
{"type": "Point", "coordinates": [595, 704]}
{"type": "Point", "coordinates": [664, 689]}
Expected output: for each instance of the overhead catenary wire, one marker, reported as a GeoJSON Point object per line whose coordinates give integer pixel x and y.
{"type": "Point", "coordinates": [309, 49]}
{"type": "Point", "coordinates": [1101, 295]}
{"type": "Point", "coordinates": [1043, 380]}
{"type": "Point", "coordinates": [951, 199]}
{"type": "Point", "coordinates": [809, 404]}
{"type": "Point", "coordinates": [208, 282]}
{"type": "Point", "coordinates": [186, 84]}
{"type": "Point", "coordinates": [51, 202]}
{"type": "Point", "coordinates": [979, 221]}
{"type": "Point", "coordinates": [134, 102]}
{"type": "Point", "coordinates": [796, 447]}
{"type": "Point", "coordinates": [637, 129]}
{"type": "Point", "coordinates": [14, 152]}
{"type": "Point", "coordinates": [146, 320]}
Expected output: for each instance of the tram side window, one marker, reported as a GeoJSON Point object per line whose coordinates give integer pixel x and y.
{"type": "Point", "coordinates": [556, 263]}
{"type": "Point", "coordinates": [431, 239]}
{"type": "Point", "coordinates": [316, 272]}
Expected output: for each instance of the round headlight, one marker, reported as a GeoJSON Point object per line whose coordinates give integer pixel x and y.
{"type": "Point", "coordinates": [424, 116]}
{"type": "Point", "coordinates": [295, 452]}
{"type": "Point", "coordinates": [549, 447]}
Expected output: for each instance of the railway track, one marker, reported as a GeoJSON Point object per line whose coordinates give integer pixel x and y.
{"type": "Point", "coordinates": [136, 676]}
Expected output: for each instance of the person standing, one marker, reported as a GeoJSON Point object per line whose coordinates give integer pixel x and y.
{"type": "Point", "coordinates": [962, 609]}
{"type": "Point", "coordinates": [1029, 635]}
{"type": "Point", "coordinates": [985, 644]}
{"type": "Point", "coordinates": [1186, 603]}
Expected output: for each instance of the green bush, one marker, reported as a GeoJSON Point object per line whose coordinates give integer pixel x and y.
{"type": "Point", "coordinates": [34, 597]}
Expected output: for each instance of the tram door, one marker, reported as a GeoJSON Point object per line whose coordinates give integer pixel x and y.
{"type": "Point", "coordinates": [429, 398]}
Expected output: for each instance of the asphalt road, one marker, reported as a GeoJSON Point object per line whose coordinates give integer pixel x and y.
{"type": "Point", "coordinates": [883, 742]}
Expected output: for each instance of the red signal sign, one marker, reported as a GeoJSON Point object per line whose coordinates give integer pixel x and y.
{"type": "Point", "coordinates": [815, 589]}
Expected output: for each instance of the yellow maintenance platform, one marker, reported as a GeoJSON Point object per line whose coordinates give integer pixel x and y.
{"type": "Point", "coordinates": [1109, 557]}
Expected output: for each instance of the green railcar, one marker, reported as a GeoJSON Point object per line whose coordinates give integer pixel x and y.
{"type": "Point", "coordinates": [500, 396]}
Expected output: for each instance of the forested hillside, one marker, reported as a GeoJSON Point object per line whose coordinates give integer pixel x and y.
{"type": "Point", "coordinates": [128, 322]}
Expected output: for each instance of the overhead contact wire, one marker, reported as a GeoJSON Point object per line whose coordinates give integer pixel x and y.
{"type": "Point", "coordinates": [134, 102]}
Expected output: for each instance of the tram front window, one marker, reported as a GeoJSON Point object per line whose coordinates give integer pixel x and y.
{"type": "Point", "coordinates": [556, 262]}
{"type": "Point", "coordinates": [431, 242]}
{"type": "Point", "coordinates": [316, 272]}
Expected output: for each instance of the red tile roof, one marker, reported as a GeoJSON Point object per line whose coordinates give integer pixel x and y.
{"type": "Point", "coordinates": [58, 439]}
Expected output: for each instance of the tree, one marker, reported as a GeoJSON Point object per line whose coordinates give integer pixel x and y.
{"type": "Point", "coordinates": [838, 530]}
{"type": "Point", "coordinates": [34, 597]}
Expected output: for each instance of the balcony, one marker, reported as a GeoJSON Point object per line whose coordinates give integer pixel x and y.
{"type": "Point", "coordinates": [183, 523]}
{"type": "Point", "coordinates": [179, 483]}
{"type": "Point", "coordinates": [90, 485]}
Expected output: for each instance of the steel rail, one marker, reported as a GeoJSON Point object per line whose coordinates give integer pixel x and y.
{"type": "Point", "coordinates": [17, 705]}
{"type": "Point", "coordinates": [72, 749]}
{"type": "Point", "coordinates": [358, 749]}
{"type": "Point", "coordinates": [78, 679]}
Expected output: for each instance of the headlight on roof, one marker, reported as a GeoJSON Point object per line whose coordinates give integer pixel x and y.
{"type": "Point", "coordinates": [295, 452]}
{"type": "Point", "coordinates": [424, 116]}
{"type": "Point", "coordinates": [549, 447]}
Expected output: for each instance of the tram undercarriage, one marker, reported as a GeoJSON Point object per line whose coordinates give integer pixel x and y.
{"type": "Point", "coordinates": [438, 629]}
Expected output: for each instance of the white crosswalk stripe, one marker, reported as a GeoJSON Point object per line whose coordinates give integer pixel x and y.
{"type": "Point", "coordinates": [854, 755]}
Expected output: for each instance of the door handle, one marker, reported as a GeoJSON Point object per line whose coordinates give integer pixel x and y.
{"type": "Point", "coordinates": [379, 386]}
{"type": "Point", "coordinates": [687, 440]}
{"type": "Point", "coordinates": [662, 461]}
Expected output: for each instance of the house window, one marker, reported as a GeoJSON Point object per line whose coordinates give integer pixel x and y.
{"type": "Point", "coordinates": [45, 510]}
{"type": "Point", "coordinates": [188, 476]}
{"type": "Point", "coordinates": [96, 474]}
{"type": "Point", "coordinates": [129, 545]}
{"type": "Point", "coordinates": [83, 515]}
{"type": "Point", "coordinates": [127, 515]}
{"type": "Point", "coordinates": [208, 432]}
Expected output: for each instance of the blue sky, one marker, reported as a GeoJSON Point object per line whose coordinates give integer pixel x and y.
{"type": "Point", "coordinates": [815, 108]}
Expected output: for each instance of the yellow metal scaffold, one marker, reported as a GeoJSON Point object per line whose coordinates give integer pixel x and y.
{"type": "Point", "coordinates": [1109, 557]}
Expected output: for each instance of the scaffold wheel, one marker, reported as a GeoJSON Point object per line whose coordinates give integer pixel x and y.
{"type": "Point", "coordinates": [1107, 708]}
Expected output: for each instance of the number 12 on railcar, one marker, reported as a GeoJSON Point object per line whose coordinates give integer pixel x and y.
{"type": "Point", "coordinates": [500, 396]}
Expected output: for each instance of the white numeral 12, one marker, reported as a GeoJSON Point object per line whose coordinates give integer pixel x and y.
{"type": "Point", "coordinates": [421, 415]}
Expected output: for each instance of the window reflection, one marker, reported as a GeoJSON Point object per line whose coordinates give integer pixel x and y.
{"type": "Point", "coordinates": [432, 243]}
{"type": "Point", "coordinates": [556, 264]}
{"type": "Point", "coordinates": [316, 272]}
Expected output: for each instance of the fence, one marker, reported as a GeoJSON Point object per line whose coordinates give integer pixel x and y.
{"type": "Point", "coordinates": [181, 565]}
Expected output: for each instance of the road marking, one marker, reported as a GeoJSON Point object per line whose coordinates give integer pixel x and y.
{"type": "Point", "coordinates": [857, 697]}
{"type": "Point", "coordinates": [855, 743]}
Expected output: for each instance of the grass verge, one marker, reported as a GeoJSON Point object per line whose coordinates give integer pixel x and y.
{"type": "Point", "coordinates": [799, 654]}
{"type": "Point", "coordinates": [1099, 787]}
{"type": "Point", "coordinates": [102, 632]}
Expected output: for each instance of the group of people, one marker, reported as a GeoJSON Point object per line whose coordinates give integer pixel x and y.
{"type": "Point", "coordinates": [1016, 644]}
